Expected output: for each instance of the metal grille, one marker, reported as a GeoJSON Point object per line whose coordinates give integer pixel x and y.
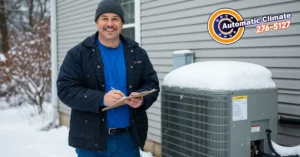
{"type": "Point", "coordinates": [194, 124]}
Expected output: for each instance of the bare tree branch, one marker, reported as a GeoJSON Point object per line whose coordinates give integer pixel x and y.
{"type": "Point", "coordinates": [29, 71]}
{"type": "Point", "coordinates": [41, 10]}
{"type": "Point", "coordinates": [15, 8]}
{"type": "Point", "coordinates": [30, 15]}
{"type": "Point", "coordinates": [18, 26]}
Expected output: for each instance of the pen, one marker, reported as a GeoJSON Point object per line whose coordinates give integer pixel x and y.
{"type": "Point", "coordinates": [112, 88]}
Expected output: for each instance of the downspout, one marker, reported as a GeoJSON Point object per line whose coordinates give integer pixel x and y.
{"type": "Point", "coordinates": [54, 99]}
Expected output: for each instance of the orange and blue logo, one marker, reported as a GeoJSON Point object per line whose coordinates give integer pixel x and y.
{"type": "Point", "coordinates": [221, 26]}
{"type": "Point", "coordinates": [227, 26]}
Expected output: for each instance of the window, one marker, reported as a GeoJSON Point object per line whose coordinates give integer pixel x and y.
{"type": "Point", "coordinates": [131, 26]}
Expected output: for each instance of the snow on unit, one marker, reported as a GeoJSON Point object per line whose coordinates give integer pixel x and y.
{"type": "Point", "coordinates": [220, 75]}
{"type": "Point", "coordinates": [182, 52]}
{"type": "Point", "coordinates": [286, 151]}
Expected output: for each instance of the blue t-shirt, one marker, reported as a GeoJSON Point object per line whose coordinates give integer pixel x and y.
{"type": "Point", "coordinates": [115, 77]}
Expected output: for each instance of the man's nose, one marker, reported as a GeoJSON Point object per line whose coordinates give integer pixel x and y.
{"type": "Point", "coordinates": [109, 22]}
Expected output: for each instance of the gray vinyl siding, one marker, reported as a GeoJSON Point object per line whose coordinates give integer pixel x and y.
{"type": "Point", "coordinates": [75, 22]}
{"type": "Point", "coordinates": [167, 26]}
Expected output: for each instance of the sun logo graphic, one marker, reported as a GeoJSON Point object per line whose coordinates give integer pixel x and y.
{"type": "Point", "coordinates": [224, 26]}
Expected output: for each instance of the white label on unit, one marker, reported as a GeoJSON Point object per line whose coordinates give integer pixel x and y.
{"type": "Point", "coordinates": [255, 128]}
{"type": "Point", "coordinates": [239, 108]}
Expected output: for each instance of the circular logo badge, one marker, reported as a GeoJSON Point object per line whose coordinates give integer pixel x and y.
{"type": "Point", "coordinates": [222, 26]}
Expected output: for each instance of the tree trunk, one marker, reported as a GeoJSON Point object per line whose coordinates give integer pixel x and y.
{"type": "Point", "coordinates": [4, 30]}
{"type": "Point", "coordinates": [31, 23]}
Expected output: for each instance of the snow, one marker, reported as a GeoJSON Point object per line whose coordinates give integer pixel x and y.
{"type": "Point", "coordinates": [286, 151]}
{"type": "Point", "coordinates": [32, 42]}
{"type": "Point", "coordinates": [2, 58]}
{"type": "Point", "coordinates": [182, 52]}
{"type": "Point", "coordinates": [16, 134]}
{"type": "Point", "coordinates": [220, 75]}
{"type": "Point", "coordinates": [21, 137]}
{"type": "Point", "coordinates": [3, 105]}
{"type": "Point", "coordinates": [12, 52]}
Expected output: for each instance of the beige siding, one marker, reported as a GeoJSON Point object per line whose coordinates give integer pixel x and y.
{"type": "Point", "coordinates": [167, 26]}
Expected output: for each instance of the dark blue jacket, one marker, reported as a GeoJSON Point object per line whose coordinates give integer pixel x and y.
{"type": "Point", "coordinates": [80, 86]}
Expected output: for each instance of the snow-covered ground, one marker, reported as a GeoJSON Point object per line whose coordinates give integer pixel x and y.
{"type": "Point", "coordinates": [20, 136]}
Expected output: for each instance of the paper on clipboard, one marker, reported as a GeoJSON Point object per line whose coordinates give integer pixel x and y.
{"type": "Point", "coordinates": [121, 102]}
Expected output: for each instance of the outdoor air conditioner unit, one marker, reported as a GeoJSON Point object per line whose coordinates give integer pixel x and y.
{"type": "Point", "coordinates": [218, 109]}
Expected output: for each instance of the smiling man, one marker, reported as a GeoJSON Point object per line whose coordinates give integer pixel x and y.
{"type": "Point", "coordinates": [97, 73]}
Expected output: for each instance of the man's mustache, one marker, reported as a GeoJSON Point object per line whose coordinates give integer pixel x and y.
{"type": "Point", "coordinates": [110, 27]}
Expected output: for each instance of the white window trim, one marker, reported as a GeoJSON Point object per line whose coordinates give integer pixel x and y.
{"type": "Point", "coordinates": [137, 21]}
{"type": "Point", "coordinates": [137, 7]}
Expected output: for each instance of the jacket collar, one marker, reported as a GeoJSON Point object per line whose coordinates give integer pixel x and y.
{"type": "Point", "coordinates": [92, 40]}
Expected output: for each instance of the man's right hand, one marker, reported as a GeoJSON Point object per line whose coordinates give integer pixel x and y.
{"type": "Point", "coordinates": [112, 96]}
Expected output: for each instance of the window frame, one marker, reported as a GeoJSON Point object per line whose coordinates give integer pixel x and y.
{"type": "Point", "coordinates": [137, 22]}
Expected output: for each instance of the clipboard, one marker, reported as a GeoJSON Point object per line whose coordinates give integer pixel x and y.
{"type": "Point", "coordinates": [121, 102]}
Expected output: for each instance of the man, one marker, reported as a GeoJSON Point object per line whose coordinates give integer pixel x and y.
{"type": "Point", "coordinates": [98, 72]}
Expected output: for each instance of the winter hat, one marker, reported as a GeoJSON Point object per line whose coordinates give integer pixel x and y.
{"type": "Point", "coordinates": [109, 6]}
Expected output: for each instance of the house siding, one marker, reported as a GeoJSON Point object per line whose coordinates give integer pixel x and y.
{"type": "Point", "coordinates": [167, 26]}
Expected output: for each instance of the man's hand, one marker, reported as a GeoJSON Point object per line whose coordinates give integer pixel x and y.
{"type": "Point", "coordinates": [112, 96]}
{"type": "Point", "coordinates": [134, 102]}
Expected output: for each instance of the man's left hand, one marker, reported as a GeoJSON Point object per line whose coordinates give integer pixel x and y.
{"type": "Point", "coordinates": [134, 102]}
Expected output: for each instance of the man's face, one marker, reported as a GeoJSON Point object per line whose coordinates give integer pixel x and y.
{"type": "Point", "coordinates": [109, 26]}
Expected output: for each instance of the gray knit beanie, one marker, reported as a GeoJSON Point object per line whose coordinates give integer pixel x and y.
{"type": "Point", "coordinates": [109, 6]}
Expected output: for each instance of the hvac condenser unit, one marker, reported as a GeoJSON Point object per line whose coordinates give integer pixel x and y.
{"type": "Point", "coordinates": [218, 109]}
